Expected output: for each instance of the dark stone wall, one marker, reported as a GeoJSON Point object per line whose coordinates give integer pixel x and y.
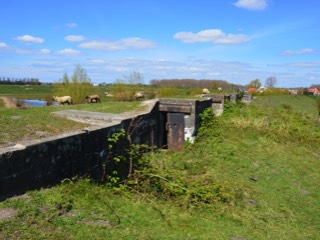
{"type": "Point", "coordinates": [46, 163]}
{"type": "Point", "coordinates": [49, 162]}
{"type": "Point", "coordinates": [80, 153]}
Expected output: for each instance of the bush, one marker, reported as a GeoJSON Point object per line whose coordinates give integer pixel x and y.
{"type": "Point", "coordinates": [77, 88]}
{"type": "Point", "coordinates": [194, 91]}
{"type": "Point", "coordinates": [167, 92]}
{"type": "Point", "coordinates": [123, 92]}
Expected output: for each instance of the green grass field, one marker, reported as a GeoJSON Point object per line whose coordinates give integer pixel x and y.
{"type": "Point", "coordinates": [253, 173]}
{"type": "Point", "coordinates": [37, 122]}
{"type": "Point", "coordinates": [26, 91]}
{"type": "Point", "coordinates": [303, 104]}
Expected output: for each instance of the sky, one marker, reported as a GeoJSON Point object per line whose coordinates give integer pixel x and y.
{"type": "Point", "coordinates": [233, 40]}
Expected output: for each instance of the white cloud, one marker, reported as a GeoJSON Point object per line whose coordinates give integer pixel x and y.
{"type": "Point", "coordinates": [96, 61]}
{"type": "Point", "coordinates": [304, 65]}
{"type": "Point", "coordinates": [127, 43]}
{"type": "Point", "coordinates": [30, 39]}
{"type": "Point", "coordinates": [45, 51]}
{"type": "Point", "coordinates": [299, 52]}
{"type": "Point", "coordinates": [252, 4]}
{"type": "Point", "coordinates": [3, 45]}
{"type": "Point", "coordinates": [212, 35]}
{"type": "Point", "coordinates": [74, 38]}
{"type": "Point", "coordinates": [68, 52]}
{"type": "Point", "coordinates": [71, 25]}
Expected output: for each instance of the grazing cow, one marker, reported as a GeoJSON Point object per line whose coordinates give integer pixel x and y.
{"type": "Point", "coordinates": [139, 95]}
{"type": "Point", "coordinates": [93, 98]}
{"type": "Point", "coordinates": [205, 91]}
{"type": "Point", "coordinates": [63, 100]}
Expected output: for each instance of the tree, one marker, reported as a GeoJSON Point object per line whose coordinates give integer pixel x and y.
{"type": "Point", "coordinates": [77, 88]}
{"type": "Point", "coordinates": [135, 78]}
{"type": "Point", "coordinates": [271, 82]}
{"type": "Point", "coordinates": [254, 84]}
{"type": "Point", "coordinates": [124, 89]}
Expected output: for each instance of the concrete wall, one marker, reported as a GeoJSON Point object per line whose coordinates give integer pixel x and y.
{"type": "Point", "coordinates": [247, 98]}
{"type": "Point", "coordinates": [45, 163]}
{"type": "Point", "coordinates": [41, 164]}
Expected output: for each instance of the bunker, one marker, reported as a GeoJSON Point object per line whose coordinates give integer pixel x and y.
{"type": "Point", "coordinates": [166, 123]}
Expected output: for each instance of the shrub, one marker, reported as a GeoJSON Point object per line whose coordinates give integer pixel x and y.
{"type": "Point", "coordinates": [122, 91]}
{"type": "Point", "coordinates": [167, 92]}
{"type": "Point", "coordinates": [125, 88]}
{"type": "Point", "coordinates": [194, 91]}
{"type": "Point", "coordinates": [77, 88]}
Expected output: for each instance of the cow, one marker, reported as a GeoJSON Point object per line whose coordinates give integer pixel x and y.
{"type": "Point", "coordinates": [205, 91]}
{"type": "Point", "coordinates": [93, 98]}
{"type": "Point", "coordinates": [63, 100]}
{"type": "Point", "coordinates": [139, 95]}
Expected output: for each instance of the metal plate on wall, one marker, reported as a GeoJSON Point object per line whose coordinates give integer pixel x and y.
{"type": "Point", "coordinates": [175, 128]}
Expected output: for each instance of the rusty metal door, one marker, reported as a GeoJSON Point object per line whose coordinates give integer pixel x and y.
{"type": "Point", "coordinates": [175, 128]}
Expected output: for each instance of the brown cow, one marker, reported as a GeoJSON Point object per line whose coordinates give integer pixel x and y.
{"type": "Point", "coordinates": [93, 98]}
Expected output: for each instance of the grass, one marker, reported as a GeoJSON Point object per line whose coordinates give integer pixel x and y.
{"type": "Point", "coordinates": [303, 104]}
{"type": "Point", "coordinates": [37, 122]}
{"type": "Point", "coordinates": [265, 159]}
{"type": "Point", "coordinates": [26, 91]}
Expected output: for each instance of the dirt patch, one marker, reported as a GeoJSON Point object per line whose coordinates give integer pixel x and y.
{"type": "Point", "coordinates": [7, 214]}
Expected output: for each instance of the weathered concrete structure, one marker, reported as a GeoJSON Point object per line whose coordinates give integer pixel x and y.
{"type": "Point", "coordinates": [47, 162]}
{"type": "Point", "coordinates": [247, 98]}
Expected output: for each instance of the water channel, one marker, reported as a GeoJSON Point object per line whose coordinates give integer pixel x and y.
{"type": "Point", "coordinates": [33, 103]}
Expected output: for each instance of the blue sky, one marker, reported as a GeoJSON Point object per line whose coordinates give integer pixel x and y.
{"type": "Point", "coordinates": [233, 40]}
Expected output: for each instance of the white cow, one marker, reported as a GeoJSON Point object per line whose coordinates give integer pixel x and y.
{"type": "Point", "coordinates": [205, 91]}
{"type": "Point", "coordinates": [63, 100]}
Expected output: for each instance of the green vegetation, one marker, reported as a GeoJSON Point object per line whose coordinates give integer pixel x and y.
{"type": "Point", "coordinates": [254, 84]}
{"type": "Point", "coordinates": [253, 173]}
{"type": "Point", "coordinates": [37, 122]}
{"type": "Point", "coordinates": [26, 91]}
{"type": "Point", "coordinates": [167, 92]}
{"type": "Point", "coordinates": [78, 87]}
{"type": "Point", "coordinates": [302, 104]}
{"type": "Point", "coordinates": [124, 89]}
{"type": "Point", "coordinates": [318, 106]}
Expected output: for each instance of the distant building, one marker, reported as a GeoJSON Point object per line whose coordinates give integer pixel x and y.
{"type": "Point", "coordinates": [262, 89]}
{"type": "Point", "coordinates": [313, 91]}
{"type": "Point", "coordinates": [252, 89]}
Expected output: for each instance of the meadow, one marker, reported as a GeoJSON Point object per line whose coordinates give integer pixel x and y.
{"type": "Point", "coordinates": [253, 173]}
{"type": "Point", "coordinates": [21, 124]}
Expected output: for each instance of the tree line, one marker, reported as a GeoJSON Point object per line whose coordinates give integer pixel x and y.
{"type": "Point", "coordinates": [193, 83]}
{"type": "Point", "coordinates": [19, 81]}
{"type": "Point", "coordinates": [315, 86]}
